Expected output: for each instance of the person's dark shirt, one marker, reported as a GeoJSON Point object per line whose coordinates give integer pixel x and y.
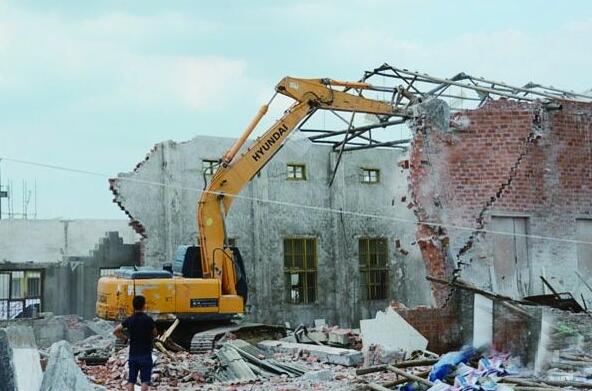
{"type": "Point", "coordinates": [140, 327]}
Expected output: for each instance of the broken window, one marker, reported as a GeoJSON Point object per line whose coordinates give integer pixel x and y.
{"type": "Point", "coordinates": [297, 171]}
{"type": "Point", "coordinates": [510, 256]}
{"type": "Point", "coordinates": [370, 175]}
{"type": "Point", "coordinates": [373, 256]}
{"type": "Point", "coordinates": [20, 293]}
{"type": "Point", "coordinates": [300, 270]}
{"type": "Point", "coordinates": [584, 234]}
{"type": "Point", "coordinates": [209, 167]}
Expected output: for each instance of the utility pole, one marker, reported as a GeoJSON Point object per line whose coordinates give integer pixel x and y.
{"type": "Point", "coordinates": [3, 193]}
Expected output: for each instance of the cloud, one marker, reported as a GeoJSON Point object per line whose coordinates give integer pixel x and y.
{"type": "Point", "coordinates": [558, 55]}
{"type": "Point", "coordinates": [117, 58]}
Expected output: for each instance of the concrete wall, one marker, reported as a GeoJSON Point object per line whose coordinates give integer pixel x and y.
{"type": "Point", "coordinates": [166, 215]}
{"type": "Point", "coordinates": [70, 286]}
{"type": "Point", "coordinates": [51, 240]}
{"type": "Point", "coordinates": [110, 252]}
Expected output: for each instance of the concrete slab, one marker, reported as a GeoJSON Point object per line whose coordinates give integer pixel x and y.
{"type": "Point", "coordinates": [332, 355]}
{"type": "Point", "coordinates": [340, 337]}
{"type": "Point", "coordinates": [7, 375]}
{"type": "Point", "coordinates": [20, 359]}
{"type": "Point", "coordinates": [482, 321]}
{"type": "Point", "coordinates": [392, 332]}
{"type": "Point", "coordinates": [321, 375]}
{"type": "Point", "coordinates": [318, 336]}
{"type": "Point", "coordinates": [62, 372]}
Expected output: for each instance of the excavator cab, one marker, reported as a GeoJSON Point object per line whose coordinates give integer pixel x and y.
{"type": "Point", "coordinates": [187, 263]}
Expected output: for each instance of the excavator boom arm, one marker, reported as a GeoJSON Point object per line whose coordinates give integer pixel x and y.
{"type": "Point", "coordinates": [235, 173]}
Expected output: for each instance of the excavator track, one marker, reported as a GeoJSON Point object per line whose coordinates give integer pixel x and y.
{"type": "Point", "coordinates": [206, 341]}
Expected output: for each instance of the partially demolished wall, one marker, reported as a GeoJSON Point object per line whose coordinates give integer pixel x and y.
{"type": "Point", "coordinates": [519, 161]}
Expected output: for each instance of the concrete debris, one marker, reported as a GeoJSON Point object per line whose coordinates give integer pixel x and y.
{"type": "Point", "coordinates": [437, 110]}
{"type": "Point", "coordinates": [267, 366]}
{"type": "Point", "coordinates": [234, 368]}
{"type": "Point", "coordinates": [49, 328]}
{"type": "Point", "coordinates": [318, 376]}
{"type": "Point", "coordinates": [238, 365]}
{"type": "Point", "coordinates": [20, 367]}
{"type": "Point", "coordinates": [6, 365]}
{"type": "Point", "coordinates": [391, 332]}
{"type": "Point", "coordinates": [340, 337]}
{"type": "Point", "coordinates": [326, 335]}
{"type": "Point", "coordinates": [378, 354]}
{"type": "Point", "coordinates": [332, 355]}
{"type": "Point", "coordinates": [62, 372]}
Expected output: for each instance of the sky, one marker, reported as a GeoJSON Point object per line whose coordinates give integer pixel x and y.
{"type": "Point", "coordinates": [93, 86]}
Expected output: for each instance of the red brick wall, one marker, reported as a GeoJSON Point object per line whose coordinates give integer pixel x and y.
{"type": "Point", "coordinates": [512, 331]}
{"type": "Point", "coordinates": [459, 176]}
{"type": "Point", "coordinates": [438, 325]}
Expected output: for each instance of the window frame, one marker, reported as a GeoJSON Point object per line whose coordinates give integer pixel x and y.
{"type": "Point", "coordinates": [371, 288]}
{"type": "Point", "coordinates": [15, 302]}
{"type": "Point", "coordinates": [369, 171]}
{"type": "Point", "coordinates": [211, 165]}
{"type": "Point", "coordinates": [296, 166]}
{"type": "Point", "coordinates": [305, 271]}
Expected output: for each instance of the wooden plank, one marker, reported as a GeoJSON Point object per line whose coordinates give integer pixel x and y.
{"type": "Point", "coordinates": [409, 375]}
{"type": "Point", "coordinates": [377, 387]}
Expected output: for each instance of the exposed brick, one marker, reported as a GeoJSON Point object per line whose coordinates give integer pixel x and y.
{"type": "Point", "coordinates": [514, 157]}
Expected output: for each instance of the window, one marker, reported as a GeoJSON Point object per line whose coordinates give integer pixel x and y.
{"type": "Point", "coordinates": [300, 270]}
{"type": "Point", "coordinates": [20, 293]}
{"type": "Point", "coordinates": [209, 167]}
{"type": "Point", "coordinates": [33, 284]}
{"type": "Point", "coordinates": [370, 175]}
{"type": "Point", "coordinates": [297, 172]}
{"type": "Point", "coordinates": [16, 290]}
{"type": "Point", "coordinates": [373, 268]}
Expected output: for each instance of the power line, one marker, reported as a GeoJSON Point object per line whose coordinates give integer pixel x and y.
{"type": "Point", "coordinates": [294, 205]}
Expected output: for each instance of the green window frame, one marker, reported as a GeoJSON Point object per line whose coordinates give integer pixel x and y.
{"type": "Point", "coordinates": [370, 175]}
{"type": "Point", "coordinates": [296, 172]}
{"type": "Point", "coordinates": [374, 271]}
{"type": "Point", "coordinates": [209, 167]}
{"type": "Point", "coordinates": [300, 270]}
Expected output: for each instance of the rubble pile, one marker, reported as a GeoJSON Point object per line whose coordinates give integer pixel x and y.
{"type": "Point", "coordinates": [386, 353]}
{"type": "Point", "coordinates": [62, 373]}
{"type": "Point", "coordinates": [170, 370]}
{"type": "Point", "coordinates": [567, 355]}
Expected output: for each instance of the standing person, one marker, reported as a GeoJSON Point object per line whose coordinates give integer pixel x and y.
{"type": "Point", "coordinates": [141, 330]}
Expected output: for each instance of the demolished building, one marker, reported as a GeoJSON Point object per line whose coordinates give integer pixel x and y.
{"type": "Point", "coordinates": [475, 192]}
{"type": "Point", "coordinates": [454, 230]}
{"type": "Point", "coordinates": [495, 191]}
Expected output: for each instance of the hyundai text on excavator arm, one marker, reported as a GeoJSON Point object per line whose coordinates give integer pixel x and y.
{"type": "Point", "coordinates": [208, 283]}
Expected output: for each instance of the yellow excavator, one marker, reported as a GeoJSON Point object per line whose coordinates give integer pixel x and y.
{"type": "Point", "coordinates": [207, 283]}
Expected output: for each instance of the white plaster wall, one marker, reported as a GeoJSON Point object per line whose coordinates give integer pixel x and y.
{"type": "Point", "coordinates": [168, 216]}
